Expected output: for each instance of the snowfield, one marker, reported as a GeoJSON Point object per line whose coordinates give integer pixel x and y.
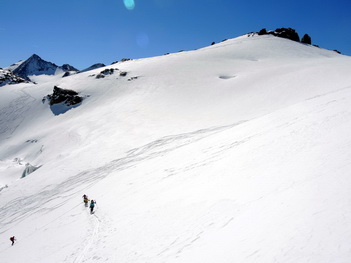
{"type": "Point", "coordinates": [237, 152]}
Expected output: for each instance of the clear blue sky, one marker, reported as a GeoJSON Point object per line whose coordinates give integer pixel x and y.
{"type": "Point", "coordinates": [84, 32]}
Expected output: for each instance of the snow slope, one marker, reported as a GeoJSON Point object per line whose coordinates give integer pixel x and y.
{"type": "Point", "coordinates": [237, 152]}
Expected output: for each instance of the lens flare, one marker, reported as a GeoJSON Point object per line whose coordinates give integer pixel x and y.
{"type": "Point", "coordinates": [129, 4]}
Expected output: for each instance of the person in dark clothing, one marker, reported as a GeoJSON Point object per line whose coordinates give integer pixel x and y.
{"type": "Point", "coordinates": [92, 205]}
{"type": "Point", "coordinates": [13, 239]}
{"type": "Point", "coordinates": [85, 200]}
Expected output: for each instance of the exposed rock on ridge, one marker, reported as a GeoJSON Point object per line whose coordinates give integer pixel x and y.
{"type": "Point", "coordinates": [8, 77]}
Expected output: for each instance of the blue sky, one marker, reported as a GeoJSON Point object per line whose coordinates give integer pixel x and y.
{"type": "Point", "coordinates": [84, 32]}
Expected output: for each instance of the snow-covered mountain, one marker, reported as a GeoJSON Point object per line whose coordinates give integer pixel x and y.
{"type": "Point", "coordinates": [237, 152]}
{"type": "Point", "coordinates": [35, 65]}
{"type": "Point", "coordinates": [67, 67]}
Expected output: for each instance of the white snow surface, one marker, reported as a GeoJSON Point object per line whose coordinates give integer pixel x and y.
{"type": "Point", "coordinates": [237, 152]}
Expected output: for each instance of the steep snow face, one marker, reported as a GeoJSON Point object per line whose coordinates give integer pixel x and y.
{"type": "Point", "coordinates": [238, 152]}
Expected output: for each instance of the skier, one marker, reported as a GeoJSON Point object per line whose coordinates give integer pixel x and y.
{"type": "Point", "coordinates": [92, 205]}
{"type": "Point", "coordinates": [13, 239]}
{"type": "Point", "coordinates": [85, 200]}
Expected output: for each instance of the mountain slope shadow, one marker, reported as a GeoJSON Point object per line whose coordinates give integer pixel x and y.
{"type": "Point", "coordinates": [62, 108]}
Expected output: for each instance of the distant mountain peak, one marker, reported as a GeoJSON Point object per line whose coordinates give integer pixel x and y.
{"type": "Point", "coordinates": [68, 67]}
{"type": "Point", "coordinates": [35, 56]}
{"type": "Point", "coordinates": [35, 65]}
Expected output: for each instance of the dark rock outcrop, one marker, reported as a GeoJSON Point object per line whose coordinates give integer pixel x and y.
{"type": "Point", "coordinates": [105, 72]}
{"type": "Point", "coordinates": [66, 96]}
{"type": "Point", "coordinates": [122, 60]}
{"type": "Point", "coordinates": [67, 74]}
{"type": "Point", "coordinates": [123, 74]}
{"type": "Point", "coordinates": [288, 33]}
{"type": "Point", "coordinates": [62, 100]}
{"type": "Point", "coordinates": [262, 32]}
{"type": "Point", "coordinates": [306, 39]}
{"type": "Point", "coordinates": [8, 77]}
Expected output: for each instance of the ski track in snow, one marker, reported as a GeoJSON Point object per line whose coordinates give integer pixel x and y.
{"type": "Point", "coordinates": [13, 115]}
{"type": "Point", "coordinates": [45, 201]}
{"type": "Point", "coordinates": [88, 244]}
{"type": "Point", "coordinates": [94, 245]}
{"type": "Point", "coordinates": [42, 202]}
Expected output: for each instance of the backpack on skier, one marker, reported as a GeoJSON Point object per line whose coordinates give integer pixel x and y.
{"type": "Point", "coordinates": [85, 200]}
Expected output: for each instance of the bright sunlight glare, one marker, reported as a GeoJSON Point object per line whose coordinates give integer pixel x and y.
{"type": "Point", "coordinates": [129, 4]}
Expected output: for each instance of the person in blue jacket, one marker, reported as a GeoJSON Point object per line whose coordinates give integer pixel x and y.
{"type": "Point", "coordinates": [92, 205]}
